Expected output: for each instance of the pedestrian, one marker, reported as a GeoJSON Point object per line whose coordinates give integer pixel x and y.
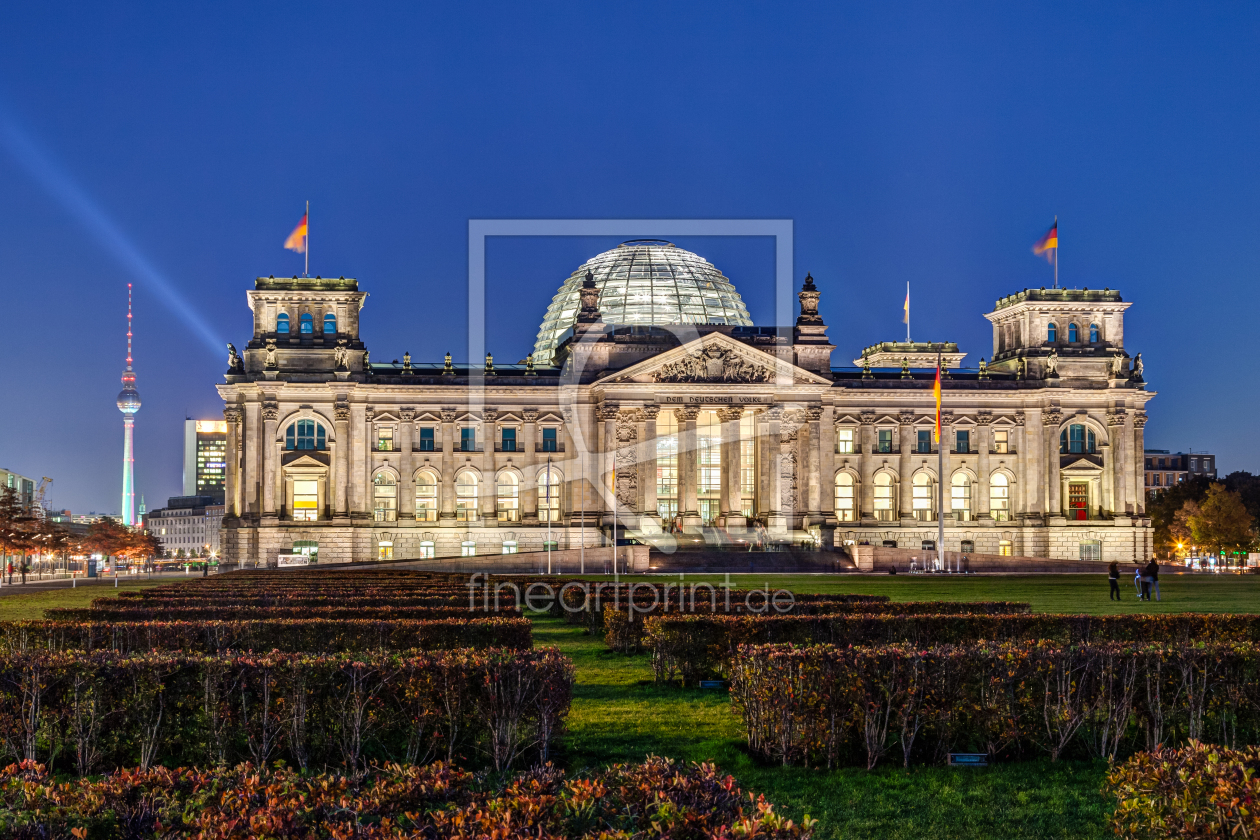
{"type": "Point", "coordinates": [1113, 576]}
{"type": "Point", "coordinates": [1152, 575]}
{"type": "Point", "coordinates": [1146, 583]}
{"type": "Point", "coordinates": [1137, 581]}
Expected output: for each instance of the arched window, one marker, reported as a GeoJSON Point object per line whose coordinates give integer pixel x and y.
{"type": "Point", "coordinates": [885, 497]}
{"type": "Point", "coordinates": [1000, 497]}
{"type": "Point", "coordinates": [384, 497]}
{"type": "Point", "coordinates": [466, 497]}
{"type": "Point", "coordinates": [307, 324]}
{"type": "Point", "coordinates": [508, 498]}
{"type": "Point", "coordinates": [549, 495]}
{"type": "Point", "coordinates": [305, 434]}
{"type": "Point", "coordinates": [426, 497]}
{"type": "Point", "coordinates": [1052, 333]}
{"type": "Point", "coordinates": [330, 324]}
{"type": "Point", "coordinates": [921, 497]}
{"type": "Point", "coordinates": [1093, 333]}
{"type": "Point", "coordinates": [1073, 335]}
{"type": "Point", "coordinates": [960, 497]}
{"type": "Point", "coordinates": [846, 507]}
{"type": "Point", "coordinates": [282, 323]}
{"type": "Point", "coordinates": [1077, 439]}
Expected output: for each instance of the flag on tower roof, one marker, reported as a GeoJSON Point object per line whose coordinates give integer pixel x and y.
{"type": "Point", "coordinates": [1049, 241]}
{"type": "Point", "coordinates": [297, 239]}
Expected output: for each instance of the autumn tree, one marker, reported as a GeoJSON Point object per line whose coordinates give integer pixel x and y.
{"type": "Point", "coordinates": [1221, 521]}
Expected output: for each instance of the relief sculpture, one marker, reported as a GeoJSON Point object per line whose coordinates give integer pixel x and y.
{"type": "Point", "coordinates": [713, 364]}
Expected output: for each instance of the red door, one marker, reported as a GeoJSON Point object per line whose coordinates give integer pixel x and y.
{"type": "Point", "coordinates": [1078, 495]}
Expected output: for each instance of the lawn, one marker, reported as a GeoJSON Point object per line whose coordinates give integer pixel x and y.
{"type": "Point", "coordinates": [16, 605]}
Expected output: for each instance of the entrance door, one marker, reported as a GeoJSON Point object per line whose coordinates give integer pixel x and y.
{"type": "Point", "coordinates": [1078, 501]}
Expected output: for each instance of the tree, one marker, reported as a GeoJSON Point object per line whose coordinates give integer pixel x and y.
{"type": "Point", "coordinates": [1179, 530]}
{"type": "Point", "coordinates": [1222, 521]}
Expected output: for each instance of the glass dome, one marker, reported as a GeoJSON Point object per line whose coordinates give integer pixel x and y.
{"type": "Point", "coordinates": [645, 282]}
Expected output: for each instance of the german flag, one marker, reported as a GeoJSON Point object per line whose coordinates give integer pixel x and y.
{"type": "Point", "coordinates": [936, 392]}
{"type": "Point", "coordinates": [297, 239]}
{"type": "Point", "coordinates": [1050, 240]}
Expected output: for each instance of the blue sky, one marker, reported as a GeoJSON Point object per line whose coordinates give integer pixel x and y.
{"type": "Point", "coordinates": [173, 146]}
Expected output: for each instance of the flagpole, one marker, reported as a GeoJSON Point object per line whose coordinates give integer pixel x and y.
{"type": "Point", "coordinates": [908, 313]}
{"type": "Point", "coordinates": [1056, 252]}
{"type": "Point", "coordinates": [307, 249]}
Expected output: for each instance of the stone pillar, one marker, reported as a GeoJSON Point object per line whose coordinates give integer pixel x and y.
{"type": "Point", "coordinates": [360, 461]}
{"type": "Point", "coordinates": [447, 504]}
{"type": "Point", "coordinates": [607, 413]}
{"type": "Point", "coordinates": [252, 486]}
{"type": "Point", "coordinates": [980, 494]}
{"type": "Point", "coordinates": [1034, 453]}
{"type": "Point", "coordinates": [489, 494]}
{"type": "Point", "coordinates": [341, 456]}
{"type": "Point", "coordinates": [827, 462]}
{"type": "Point", "coordinates": [688, 459]}
{"type": "Point", "coordinates": [866, 466]}
{"type": "Point", "coordinates": [529, 493]}
{"type": "Point", "coordinates": [1054, 495]}
{"type": "Point", "coordinates": [627, 465]}
{"type": "Point", "coordinates": [774, 466]}
{"type": "Point", "coordinates": [1114, 465]}
{"type": "Point", "coordinates": [1137, 462]}
{"type": "Point", "coordinates": [647, 459]}
{"type": "Point", "coordinates": [1019, 465]}
{"type": "Point", "coordinates": [905, 477]}
{"type": "Point", "coordinates": [729, 497]}
{"type": "Point", "coordinates": [761, 447]}
{"type": "Point", "coordinates": [271, 467]}
{"type": "Point", "coordinates": [812, 491]}
{"type": "Point", "coordinates": [232, 486]}
{"type": "Point", "coordinates": [406, 482]}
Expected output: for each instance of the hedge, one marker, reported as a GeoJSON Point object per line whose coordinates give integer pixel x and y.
{"type": "Point", "coordinates": [231, 613]}
{"type": "Point", "coordinates": [690, 648]}
{"type": "Point", "coordinates": [834, 705]}
{"type": "Point", "coordinates": [315, 635]}
{"type": "Point", "coordinates": [1197, 792]}
{"type": "Point", "coordinates": [84, 712]}
{"type": "Point", "coordinates": [655, 800]}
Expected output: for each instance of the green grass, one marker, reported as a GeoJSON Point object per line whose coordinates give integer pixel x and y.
{"type": "Point", "coordinates": [16, 605]}
{"type": "Point", "coordinates": [618, 714]}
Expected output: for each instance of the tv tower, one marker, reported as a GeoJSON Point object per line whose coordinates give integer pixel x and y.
{"type": "Point", "coordinates": [129, 404]}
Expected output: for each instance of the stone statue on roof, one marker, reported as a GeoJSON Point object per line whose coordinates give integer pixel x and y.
{"type": "Point", "coordinates": [234, 359]}
{"type": "Point", "coordinates": [340, 355]}
{"type": "Point", "coordinates": [1052, 364]}
{"type": "Point", "coordinates": [271, 354]}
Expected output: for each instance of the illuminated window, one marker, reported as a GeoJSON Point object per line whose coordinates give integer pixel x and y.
{"type": "Point", "coordinates": [385, 438]}
{"type": "Point", "coordinates": [1001, 441]}
{"type": "Point", "coordinates": [384, 497]}
{"type": "Point", "coordinates": [709, 464]}
{"type": "Point", "coordinates": [426, 497]}
{"type": "Point", "coordinates": [282, 323]}
{"type": "Point", "coordinates": [747, 465]}
{"type": "Point", "coordinates": [667, 467]}
{"type": "Point", "coordinates": [426, 550]}
{"type": "Point", "coordinates": [1091, 550]}
{"type": "Point", "coordinates": [844, 441]}
{"type": "Point", "coordinates": [307, 324]}
{"type": "Point", "coordinates": [549, 495]}
{"type": "Point", "coordinates": [509, 546]}
{"type": "Point", "coordinates": [385, 550]}
{"type": "Point", "coordinates": [466, 497]}
{"type": "Point", "coordinates": [330, 324]}
{"type": "Point", "coordinates": [921, 497]}
{"type": "Point", "coordinates": [1000, 497]}
{"type": "Point", "coordinates": [960, 496]}
{"type": "Point", "coordinates": [885, 488]}
{"type": "Point", "coordinates": [846, 503]}
{"type": "Point", "coordinates": [508, 498]}
{"type": "Point", "coordinates": [1004, 548]}
{"type": "Point", "coordinates": [468, 548]}
{"type": "Point", "coordinates": [305, 500]}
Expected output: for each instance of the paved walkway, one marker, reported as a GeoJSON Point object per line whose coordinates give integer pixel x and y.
{"type": "Point", "coordinates": [34, 584]}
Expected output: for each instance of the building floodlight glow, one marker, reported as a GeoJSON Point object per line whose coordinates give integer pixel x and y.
{"type": "Point", "coordinates": [129, 404]}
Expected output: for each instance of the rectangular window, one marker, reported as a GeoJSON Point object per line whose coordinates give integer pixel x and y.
{"type": "Point", "coordinates": [1004, 548]}
{"type": "Point", "coordinates": [962, 441]}
{"type": "Point", "coordinates": [709, 459]}
{"type": "Point", "coordinates": [305, 500]}
{"type": "Point", "coordinates": [1000, 438]}
{"type": "Point", "coordinates": [426, 439]}
{"type": "Point", "coordinates": [426, 550]}
{"type": "Point", "coordinates": [385, 438]}
{"type": "Point", "coordinates": [1155, 479]}
{"type": "Point", "coordinates": [885, 440]}
{"type": "Point", "coordinates": [1091, 550]}
{"type": "Point", "coordinates": [509, 440]}
{"type": "Point", "coordinates": [667, 476]}
{"type": "Point", "coordinates": [924, 440]}
{"type": "Point", "coordinates": [385, 550]}
{"type": "Point", "coordinates": [509, 546]}
{"type": "Point", "coordinates": [844, 441]}
{"type": "Point", "coordinates": [549, 440]}
{"type": "Point", "coordinates": [468, 548]}
{"type": "Point", "coordinates": [467, 439]}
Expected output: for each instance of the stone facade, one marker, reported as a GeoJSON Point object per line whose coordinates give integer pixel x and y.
{"type": "Point", "coordinates": [661, 429]}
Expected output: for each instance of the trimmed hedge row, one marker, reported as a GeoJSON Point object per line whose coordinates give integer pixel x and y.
{"type": "Point", "coordinates": [313, 635]}
{"type": "Point", "coordinates": [231, 613]}
{"type": "Point", "coordinates": [655, 800]}
{"type": "Point", "coordinates": [84, 712]}
{"type": "Point", "coordinates": [690, 648]}
{"type": "Point", "coordinates": [835, 705]}
{"type": "Point", "coordinates": [1197, 792]}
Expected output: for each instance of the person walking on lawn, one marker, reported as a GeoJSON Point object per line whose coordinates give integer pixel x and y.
{"type": "Point", "coordinates": [1137, 581]}
{"type": "Point", "coordinates": [1113, 576]}
{"type": "Point", "coordinates": [1151, 578]}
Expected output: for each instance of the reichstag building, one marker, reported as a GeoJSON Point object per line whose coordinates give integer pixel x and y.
{"type": "Point", "coordinates": [652, 400]}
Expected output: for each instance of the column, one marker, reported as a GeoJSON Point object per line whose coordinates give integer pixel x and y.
{"type": "Point", "coordinates": [866, 466]}
{"type": "Point", "coordinates": [232, 457]}
{"type": "Point", "coordinates": [980, 495]}
{"type": "Point", "coordinates": [489, 491]}
{"type": "Point", "coordinates": [827, 462]}
{"type": "Point", "coordinates": [688, 491]}
{"type": "Point", "coordinates": [529, 492]}
{"type": "Point", "coordinates": [360, 425]}
{"type": "Point", "coordinates": [447, 505]}
{"type": "Point", "coordinates": [626, 465]}
{"type": "Point", "coordinates": [647, 459]}
{"type": "Point", "coordinates": [406, 482]}
{"type": "Point", "coordinates": [812, 491]}
{"type": "Point", "coordinates": [1137, 462]}
{"type": "Point", "coordinates": [270, 414]}
{"type": "Point", "coordinates": [1114, 465]}
{"type": "Point", "coordinates": [946, 443]}
{"type": "Point", "coordinates": [905, 476]}
{"type": "Point", "coordinates": [252, 498]}
{"type": "Point", "coordinates": [729, 497]}
{"type": "Point", "coordinates": [341, 457]}
{"type": "Point", "coordinates": [1034, 454]}
{"type": "Point", "coordinates": [1054, 503]}
{"type": "Point", "coordinates": [607, 413]}
{"type": "Point", "coordinates": [774, 466]}
{"type": "Point", "coordinates": [1019, 465]}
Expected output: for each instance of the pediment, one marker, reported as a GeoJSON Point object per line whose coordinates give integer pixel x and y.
{"type": "Point", "coordinates": [1080, 467]}
{"type": "Point", "coordinates": [306, 461]}
{"type": "Point", "coordinates": [715, 359]}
